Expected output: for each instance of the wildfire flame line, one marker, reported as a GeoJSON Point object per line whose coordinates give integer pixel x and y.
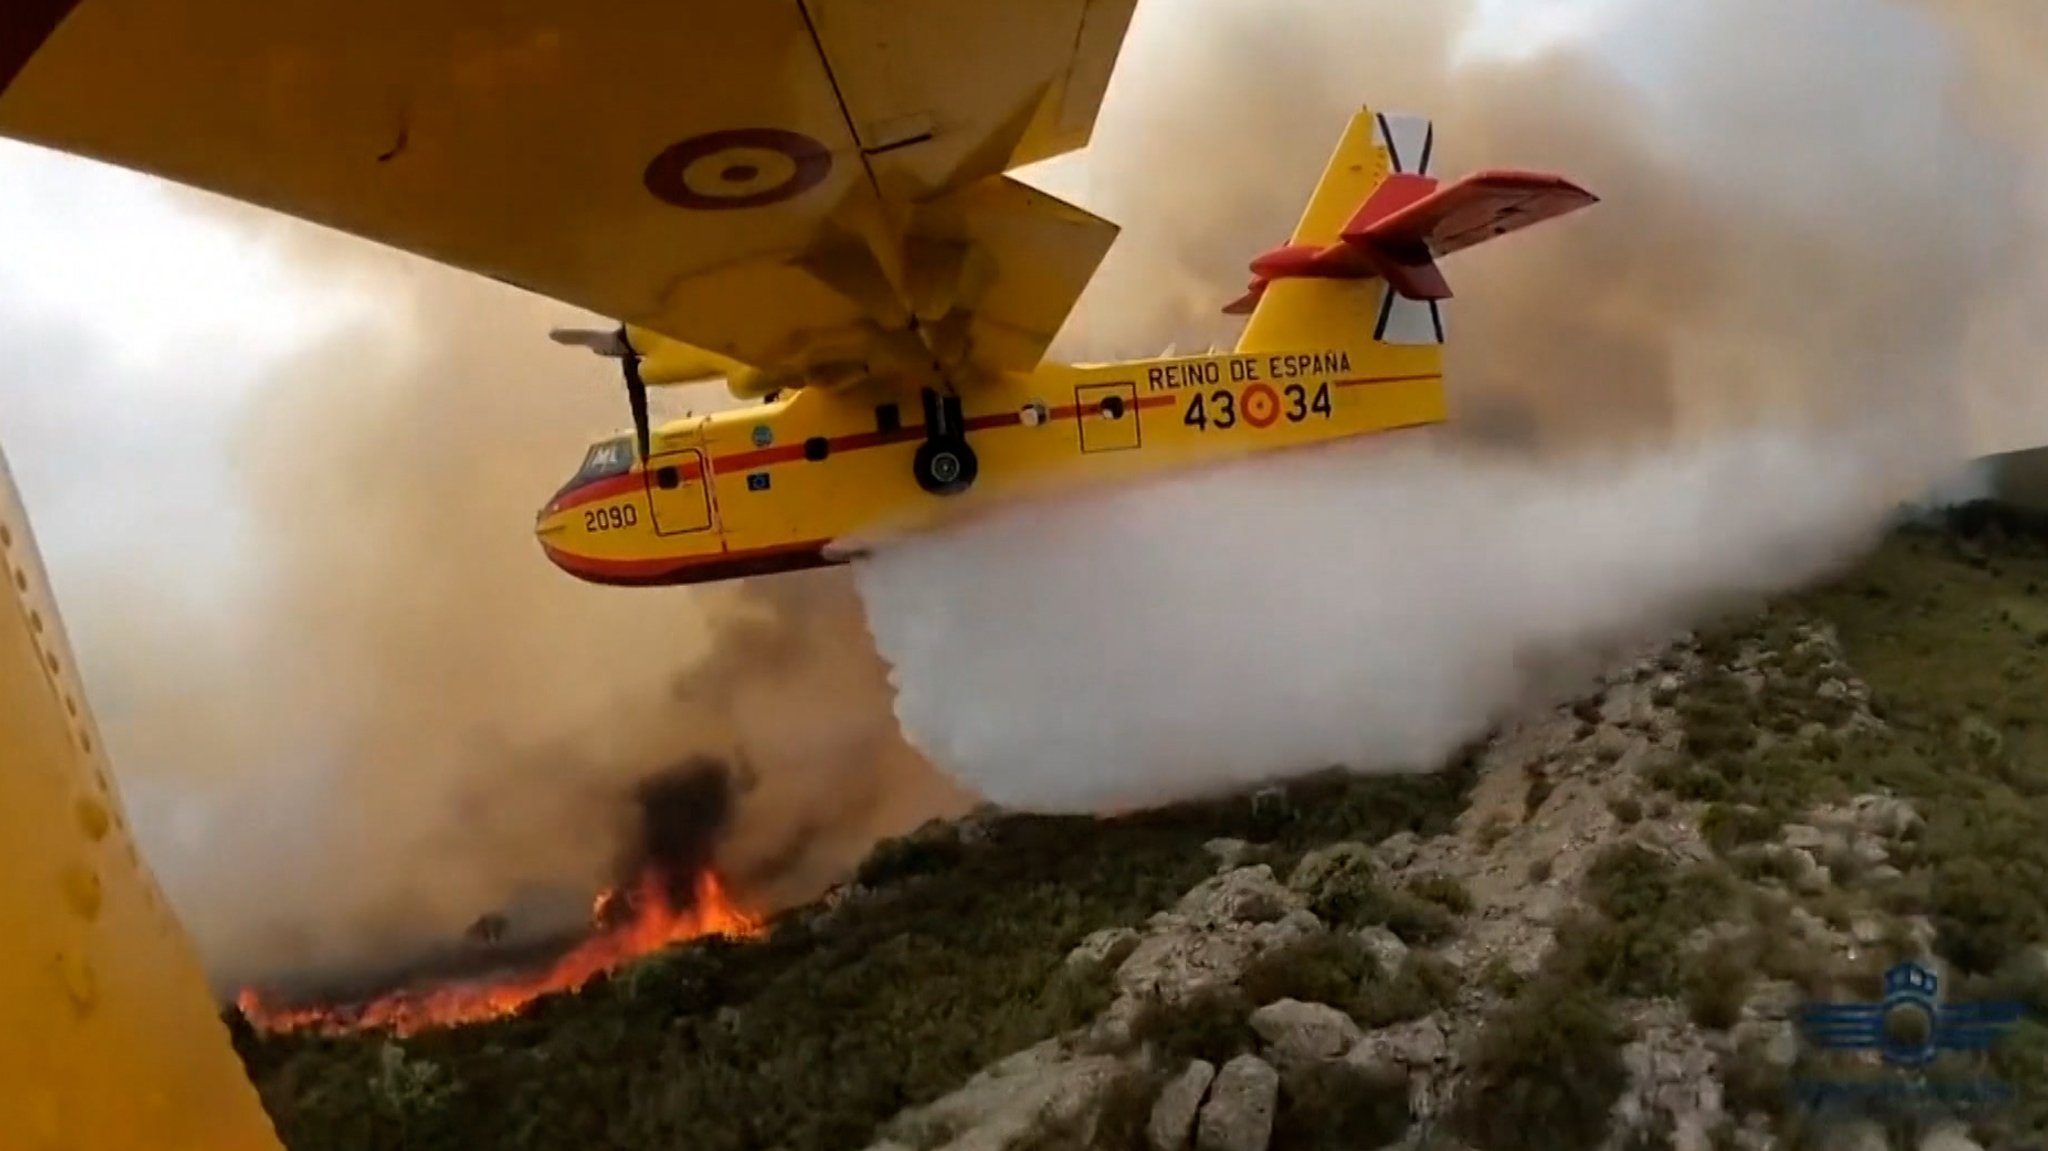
{"type": "Point", "coordinates": [626, 925]}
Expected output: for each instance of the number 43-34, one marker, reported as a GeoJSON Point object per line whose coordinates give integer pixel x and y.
{"type": "Point", "coordinates": [1218, 409]}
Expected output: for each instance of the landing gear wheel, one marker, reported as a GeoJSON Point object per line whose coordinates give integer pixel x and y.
{"type": "Point", "coordinates": [944, 464]}
{"type": "Point", "coordinates": [945, 467]}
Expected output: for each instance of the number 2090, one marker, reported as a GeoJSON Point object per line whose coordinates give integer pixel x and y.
{"type": "Point", "coordinates": [610, 518]}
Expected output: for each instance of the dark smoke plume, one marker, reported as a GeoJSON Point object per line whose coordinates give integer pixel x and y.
{"type": "Point", "coordinates": [678, 820]}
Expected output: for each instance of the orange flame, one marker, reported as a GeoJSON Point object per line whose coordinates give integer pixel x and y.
{"type": "Point", "coordinates": [628, 925]}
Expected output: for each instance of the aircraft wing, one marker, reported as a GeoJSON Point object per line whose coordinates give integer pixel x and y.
{"type": "Point", "coordinates": [776, 182]}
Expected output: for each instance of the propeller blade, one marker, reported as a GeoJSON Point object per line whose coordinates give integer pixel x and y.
{"type": "Point", "coordinates": [636, 395]}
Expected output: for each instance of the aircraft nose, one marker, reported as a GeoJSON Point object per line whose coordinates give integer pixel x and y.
{"type": "Point", "coordinates": [549, 526]}
{"type": "Point", "coordinates": [549, 519]}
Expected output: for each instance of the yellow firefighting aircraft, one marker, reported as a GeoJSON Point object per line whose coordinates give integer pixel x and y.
{"type": "Point", "coordinates": [807, 198]}
{"type": "Point", "coordinates": [1344, 339]}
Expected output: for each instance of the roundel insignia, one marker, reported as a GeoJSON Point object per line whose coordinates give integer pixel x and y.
{"type": "Point", "coordinates": [1261, 406]}
{"type": "Point", "coordinates": [737, 168]}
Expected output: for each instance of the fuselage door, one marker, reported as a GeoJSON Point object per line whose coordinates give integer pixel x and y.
{"type": "Point", "coordinates": [678, 492]}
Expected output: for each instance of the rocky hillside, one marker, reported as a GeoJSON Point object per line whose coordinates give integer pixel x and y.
{"type": "Point", "coordinates": [1595, 930]}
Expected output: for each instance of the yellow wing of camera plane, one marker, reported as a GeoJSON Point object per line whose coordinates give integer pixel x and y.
{"type": "Point", "coordinates": [774, 188]}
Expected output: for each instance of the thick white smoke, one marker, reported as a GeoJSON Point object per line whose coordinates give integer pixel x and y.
{"type": "Point", "coordinates": [1370, 605]}
{"type": "Point", "coordinates": [1718, 382]}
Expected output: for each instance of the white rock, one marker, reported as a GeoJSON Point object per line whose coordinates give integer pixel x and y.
{"type": "Point", "coordinates": [1228, 852]}
{"type": "Point", "coordinates": [1804, 837]}
{"type": "Point", "coordinates": [1016, 1099]}
{"type": "Point", "coordinates": [1949, 1137]}
{"type": "Point", "coordinates": [1869, 850]}
{"type": "Point", "coordinates": [1299, 1033]}
{"type": "Point", "coordinates": [1774, 999]}
{"type": "Point", "coordinates": [1416, 1045]}
{"type": "Point", "coordinates": [1776, 1040]}
{"type": "Point", "coordinates": [1173, 1113]}
{"type": "Point", "coordinates": [1866, 929]}
{"type": "Point", "coordinates": [1397, 850]}
{"type": "Point", "coordinates": [1671, 1076]}
{"type": "Point", "coordinates": [1245, 895]}
{"type": "Point", "coordinates": [1385, 947]}
{"type": "Point", "coordinates": [1238, 1115]}
{"type": "Point", "coordinates": [1180, 959]}
{"type": "Point", "coordinates": [1105, 948]}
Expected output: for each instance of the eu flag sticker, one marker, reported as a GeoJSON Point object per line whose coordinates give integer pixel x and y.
{"type": "Point", "coordinates": [757, 481]}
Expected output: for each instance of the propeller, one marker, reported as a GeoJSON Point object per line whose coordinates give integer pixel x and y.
{"type": "Point", "coordinates": [612, 343]}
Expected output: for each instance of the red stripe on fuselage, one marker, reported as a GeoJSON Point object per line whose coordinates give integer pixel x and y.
{"type": "Point", "coordinates": [612, 487]}
{"type": "Point", "coordinates": [674, 571]}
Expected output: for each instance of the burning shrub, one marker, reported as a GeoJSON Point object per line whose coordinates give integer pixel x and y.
{"type": "Point", "coordinates": [666, 893]}
{"type": "Point", "coordinates": [812, 1032]}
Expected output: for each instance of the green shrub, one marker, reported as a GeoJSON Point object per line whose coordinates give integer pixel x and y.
{"type": "Point", "coordinates": [1544, 1075]}
{"type": "Point", "coordinates": [1210, 1024]}
{"type": "Point", "coordinates": [1501, 978]}
{"type": "Point", "coordinates": [1338, 970]}
{"type": "Point", "coordinates": [1340, 883]}
{"type": "Point", "coordinates": [930, 851]}
{"type": "Point", "coordinates": [1444, 891]}
{"type": "Point", "coordinates": [1726, 826]}
{"type": "Point", "coordinates": [1642, 908]}
{"type": "Point", "coordinates": [1327, 967]}
{"type": "Point", "coordinates": [1340, 1106]}
{"type": "Point", "coordinates": [1344, 893]}
{"type": "Point", "coordinates": [1716, 983]}
{"type": "Point", "coordinates": [1425, 983]}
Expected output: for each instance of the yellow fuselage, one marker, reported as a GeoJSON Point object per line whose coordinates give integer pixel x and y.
{"type": "Point", "coordinates": [771, 488]}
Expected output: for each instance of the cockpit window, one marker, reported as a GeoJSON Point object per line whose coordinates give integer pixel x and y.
{"type": "Point", "coordinates": [606, 458]}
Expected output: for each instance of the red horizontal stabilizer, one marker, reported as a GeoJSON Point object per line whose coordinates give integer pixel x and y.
{"type": "Point", "coordinates": [1397, 193]}
{"type": "Point", "coordinates": [1307, 261]}
{"type": "Point", "coordinates": [1409, 221]}
{"type": "Point", "coordinates": [1475, 209]}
